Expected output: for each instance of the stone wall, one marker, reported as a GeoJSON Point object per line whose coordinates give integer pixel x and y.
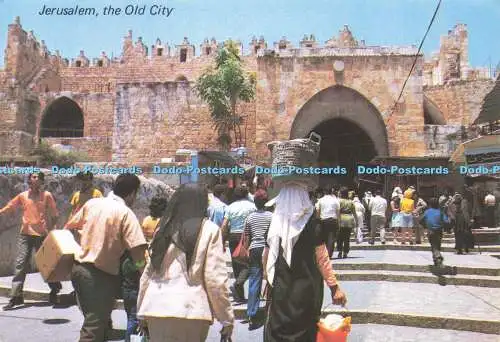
{"type": "Point", "coordinates": [61, 187]}
{"type": "Point", "coordinates": [437, 142]}
{"type": "Point", "coordinates": [285, 85]}
{"type": "Point", "coordinates": [153, 89]}
{"type": "Point", "coordinates": [153, 120]}
{"type": "Point", "coordinates": [461, 101]}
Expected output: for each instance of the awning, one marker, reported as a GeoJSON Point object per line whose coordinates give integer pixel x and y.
{"type": "Point", "coordinates": [480, 145]}
{"type": "Point", "coordinates": [410, 161]}
{"type": "Point", "coordinates": [490, 111]}
{"type": "Point", "coordinates": [219, 156]}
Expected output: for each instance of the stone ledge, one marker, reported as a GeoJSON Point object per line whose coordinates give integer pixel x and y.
{"type": "Point", "coordinates": [423, 247]}
{"type": "Point", "coordinates": [495, 272]}
{"type": "Point", "coordinates": [419, 277]}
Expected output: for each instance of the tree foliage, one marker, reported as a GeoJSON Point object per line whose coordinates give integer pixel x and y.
{"type": "Point", "coordinates": [50, 156]}
{"type": "Point", "coordinates": [222, 87]}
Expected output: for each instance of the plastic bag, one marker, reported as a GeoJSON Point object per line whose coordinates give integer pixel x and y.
{"type": "Point", "coordinates": [333, 328]}
{"type": "Point", "coordinates": [139, 337]}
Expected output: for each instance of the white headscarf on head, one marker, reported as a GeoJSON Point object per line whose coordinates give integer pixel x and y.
{"type": "Point", "coordinates": [397, 192]}
{"type": "Point", "coordinates": [292, 212]}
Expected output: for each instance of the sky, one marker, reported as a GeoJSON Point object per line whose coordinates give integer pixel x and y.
{"type": "Point", "coordinates": [378, 22]}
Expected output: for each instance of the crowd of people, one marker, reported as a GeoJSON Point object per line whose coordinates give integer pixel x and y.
{"type": "Point", "coordinates": [180, 251]}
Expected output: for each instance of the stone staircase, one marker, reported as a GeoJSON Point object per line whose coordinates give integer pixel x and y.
{"type": "Point", "coordinates": [393, 291]}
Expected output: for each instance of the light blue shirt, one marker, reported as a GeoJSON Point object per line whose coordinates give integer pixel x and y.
{"type": "Point", "coordinates": [216, 211]}
{"type": "Point", "coordinates": [237, 212]}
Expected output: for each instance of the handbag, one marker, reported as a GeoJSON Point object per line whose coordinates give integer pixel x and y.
{"type": "Point", "coordinates": [240, 253]}
{"type": "Point", "coordinates": [139, 337]}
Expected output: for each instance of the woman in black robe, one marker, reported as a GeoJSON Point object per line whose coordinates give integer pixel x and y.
{"type": "Point", "coordinates": [296, 293]}
{"type": "Point", "coordinates": [461, 218]}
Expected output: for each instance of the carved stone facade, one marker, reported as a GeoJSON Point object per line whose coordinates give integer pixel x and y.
{"type": "Point", "coordinates": [140, 107]}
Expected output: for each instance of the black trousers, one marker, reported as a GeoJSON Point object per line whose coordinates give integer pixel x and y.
{"type": "Point", "coordinates": [435, 238]}
{"type": "Point", "coordinates": [330, 227]}
{"type": "Point", "coordinates": [96, 291]}
{"type": "Point", "coordinates": [240, 270]}
{"type": "Point", "coordinates": [343, 240]}
{"type": "Point", "coordinates": [490, 216]}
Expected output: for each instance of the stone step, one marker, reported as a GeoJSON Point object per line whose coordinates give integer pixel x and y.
{"type": "Point", "coordinates": [391, 239]}
{"type": "Point", "coordinates": [394, 333]}
{"type": "Point", "coordinates": [449, 277]}
{"type": "Point", "coordinates": [421, 247]}
{"type": "Point", "coordinates": [423, 305]}
{"type": "Point", "coordinates": [492, 272]}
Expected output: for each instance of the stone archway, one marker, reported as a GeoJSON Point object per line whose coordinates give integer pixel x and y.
{"type": "Point", "coordinates": [353, 131]}
{"type": "Point", "coordinates": [63, 118]}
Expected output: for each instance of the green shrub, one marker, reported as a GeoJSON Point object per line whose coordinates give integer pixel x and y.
{"type": "Point", "coordinates": [50, 156]}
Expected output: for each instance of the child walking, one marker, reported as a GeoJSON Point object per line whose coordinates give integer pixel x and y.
{"type": "Point", "coordinates": [434, 219]}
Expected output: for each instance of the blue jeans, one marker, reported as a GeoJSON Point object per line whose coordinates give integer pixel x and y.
{"type": "Point", "coordinates": [255, 281]}
{"type": "Point", "coordinates": [130, 304]}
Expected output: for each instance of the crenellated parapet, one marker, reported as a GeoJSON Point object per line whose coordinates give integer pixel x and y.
{"type": "Point", "coordinates": [160, 50]}
{"type": "Point", "coordinates": [185, 51]}
{"type": "Point", "coordinates": [345, 39]}
{"type": "Point", "coordinates": [208, 48]}
{"type": "Point", "coordinates": [282, 44]}
{"type": "Point", "coordinates": [308, 42]}
{"type": "Point", "coordinates": [80, 61]}
{"type": "Point", "coordinates": [257, 45]}
{"type": "Point", "coordinates": [25, 55]}
{"type": "Point", "coordinates": [451, 62]}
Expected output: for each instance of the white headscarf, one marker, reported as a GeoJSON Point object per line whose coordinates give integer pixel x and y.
{"type": "Point", "coordinates": [292, 212]}
{"type": "Point", "coordinates": [397, 192]}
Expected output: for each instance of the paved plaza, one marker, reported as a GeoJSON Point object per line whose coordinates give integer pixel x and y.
{"type": "Point", "coordinates": [393, 296]}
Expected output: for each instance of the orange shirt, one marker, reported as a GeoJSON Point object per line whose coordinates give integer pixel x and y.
{"type": "Point", "coordinates": [107, 227]}
{"type": "Point", "coordinates": [38, 212]}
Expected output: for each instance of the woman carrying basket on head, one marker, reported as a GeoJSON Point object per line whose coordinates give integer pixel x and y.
{"type": "Point", "coordinates": [296, 263]}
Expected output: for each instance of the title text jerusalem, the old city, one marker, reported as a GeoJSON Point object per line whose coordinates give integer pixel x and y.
{"type": "Point", "coordinates": [156, 10]}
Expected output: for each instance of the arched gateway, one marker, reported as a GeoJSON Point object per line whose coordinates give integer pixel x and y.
{"type": "Point", "coordinates": [353, 131]}
{"type": "Point", "coordinates": [62, 118]}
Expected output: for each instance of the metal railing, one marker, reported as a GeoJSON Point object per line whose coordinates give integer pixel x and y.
{"type": "Point", "coordinates": [61, 133]}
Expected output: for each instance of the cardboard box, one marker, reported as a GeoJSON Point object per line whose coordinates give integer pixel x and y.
{"type": "Point", "coordinates": [55, 258]}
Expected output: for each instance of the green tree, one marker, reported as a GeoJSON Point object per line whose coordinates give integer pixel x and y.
{"type": "Point", "coordinates": [222, 87]}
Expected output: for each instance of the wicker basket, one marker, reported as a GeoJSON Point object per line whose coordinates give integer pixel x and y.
{"type": "Point", "coordinates": [298, 153]}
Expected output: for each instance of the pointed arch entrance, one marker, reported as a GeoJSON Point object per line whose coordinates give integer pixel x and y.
{"type": "Point", "coordinates": [63, 118]}
{"type": "Point", "coordinates": [352, 129]}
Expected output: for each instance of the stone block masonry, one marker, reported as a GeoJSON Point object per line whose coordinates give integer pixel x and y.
{"type": "Point", "coordinates": [141, 106]}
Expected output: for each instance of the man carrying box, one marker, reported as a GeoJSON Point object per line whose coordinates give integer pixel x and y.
{"type": "Point", "coordinates": [108, 227]}
{"type": "Point", "coordinates": [39, 217]}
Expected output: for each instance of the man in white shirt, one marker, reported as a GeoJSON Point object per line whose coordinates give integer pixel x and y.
{"type": "Point", "coordinates": [378, 209]}
{"type": "Point", "coordinates": [489, 206]}
{"type": "Point", "coordinates": [328, 211]}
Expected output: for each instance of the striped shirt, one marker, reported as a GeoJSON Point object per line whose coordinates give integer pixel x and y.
{"type": "Point", "coordinates": [256, 228]}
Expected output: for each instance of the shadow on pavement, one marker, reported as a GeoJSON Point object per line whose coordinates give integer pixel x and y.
{"type": "Point", "coordinates": [56, 321]}
{"type": "Point", "coordinates": [440, 273]}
